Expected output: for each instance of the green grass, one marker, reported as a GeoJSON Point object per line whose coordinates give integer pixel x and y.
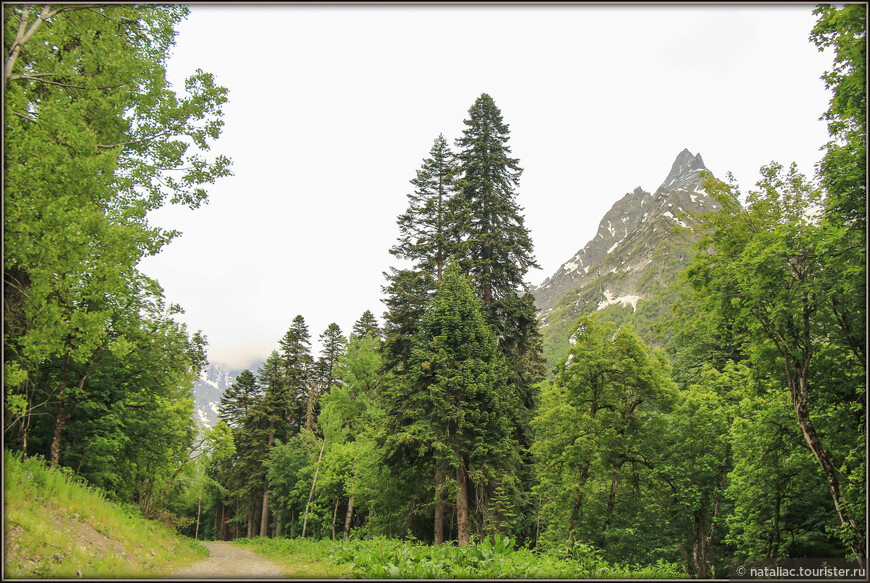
{"type": "Point", "coordinates": [302, 558]}
{"type": "Point", "coordinates": [56, 526]}
{"type": "Point", "coordinates": [381, 558]}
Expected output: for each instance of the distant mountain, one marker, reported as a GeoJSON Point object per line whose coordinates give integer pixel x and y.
{"type": "Point", "coordinates": [642, 243]}
{"type": "Point", "coordinates": [207, 391]}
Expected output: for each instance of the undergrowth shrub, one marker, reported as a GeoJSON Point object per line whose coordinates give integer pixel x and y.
{"type": "Point", "coordinates": [497, 557]}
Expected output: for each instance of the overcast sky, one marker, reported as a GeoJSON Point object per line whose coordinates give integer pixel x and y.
{"type": "Point", "coordinates": [332, 110]}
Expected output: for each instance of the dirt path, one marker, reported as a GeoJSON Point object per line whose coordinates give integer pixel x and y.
{"type": "Point", "coordinates": [229, 561]}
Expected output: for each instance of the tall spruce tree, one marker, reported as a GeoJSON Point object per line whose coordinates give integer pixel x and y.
{"type": "Point", "coordinates": [454, 401]}
{"type": "Point", "coordinates": [427, 234]}
{"type": "Point", "coordinates": [238, 399]}
{"type": "Point", "coordinates": [495, 250]}
{"type": "Point", "coordinates": [496, 247]}
{"type": "Point", "coordinates": [296, 368]}
{"type": "Point", "coordinates": [276, 411]}
{"type": "Point", "coordinates": [426, 227]}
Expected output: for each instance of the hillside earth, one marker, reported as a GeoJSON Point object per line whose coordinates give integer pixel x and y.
{"type": "Point", "coordinates": [624, 272]}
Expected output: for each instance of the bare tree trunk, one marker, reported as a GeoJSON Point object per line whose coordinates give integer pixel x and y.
{"type": "Point", "coordinates": [439, 502]}
{"type": "Point", "coordinates": [309, 414]}
{"type": "Point", "coordinates": [198, 508]}
{"type": "Point", "coordinates": [61, 417]}
{"type": "Point", "coordinates": [216, 529]}
{"type": "Point", "coordinates": [264, 521]}
{"type": "Point", "coordinates": [462, 505]}
{"type": "Point", "coordinates": [349, 515]}
{"type": "Point", "coordinates": [335, 515]}
{"type": "Point", "coordinates": [575, 512]}
{"type": "Point", "coordinates": [264, 518]}
{"type": "Point", "coordinates": [250, 519]}
{"type": "Point", "coordinates": [313, 483]}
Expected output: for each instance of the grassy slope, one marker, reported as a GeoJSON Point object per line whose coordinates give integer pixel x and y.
{"type": "Point", "coordinates": [56, 527]}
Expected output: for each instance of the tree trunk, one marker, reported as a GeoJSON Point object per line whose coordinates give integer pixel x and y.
{"type": "Point", "coordinates": [313, 483]}
{"type": "Point", "coordinates": [462, 505]}
{"type": "Point", "coordinates": [335, 516]}
{"type": "Point", "coordinates": [812, 438]}
{"type": "Point", "coordinates": [264, 518]}
{"type": "Point", "coordinates": [61, 416]}
{"type": "Point", "coordinates": [701, 546]}
{"type": "Point", "coordinates": [250, 519]}
{"type": "Point", "coordinates": [797, 365]}
{"type": "Point", "coordinates": [309, 414]}
{"type": "Point", "coordinates": [439, 502]}
{"type": "Point", "coordinates": [216, 529]}
{"type": "Point", "coordinates": [198, 509]}
{"type": "Point", "coordinates": [264, 521]}
{"type": "Point", "coordinates": [349, 515]}
{"type": "Point", "coordinates": [773, 537]}
{"type": "Point", "coordinates": [611, 499]}
{"type": "Point", "coordinates": [575, 512]}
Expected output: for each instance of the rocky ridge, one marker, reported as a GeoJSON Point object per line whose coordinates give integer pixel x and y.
{"type": "Point", "coordinates": [641, 244]}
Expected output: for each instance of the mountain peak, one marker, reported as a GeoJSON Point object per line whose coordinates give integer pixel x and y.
{"type": "Point", "coordinates": [685, 172]}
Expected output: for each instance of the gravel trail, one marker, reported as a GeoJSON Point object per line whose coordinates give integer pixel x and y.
{"type": "Point", "coordinates": [229, 561]}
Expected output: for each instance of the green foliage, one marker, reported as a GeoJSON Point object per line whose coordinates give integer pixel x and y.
{"type": "Point", "coordinates": [493, 558]}
{"type": "Point", "coordinates": [427, 227]}
{"type": "Point", "coordinates": [596, 419]}
{"type": "Point", "coordinates": [843, 171]}
{"type": "Point", "coordinates": [57, 524]}
{"type": "Point", "coordinates": [454, 401]}
{"type": "Point", "coordinates": [770, 273]}
{"type": "Point", "coordinates": [781, 508]}
{"type": "Point", "coordinates": [93, 136]}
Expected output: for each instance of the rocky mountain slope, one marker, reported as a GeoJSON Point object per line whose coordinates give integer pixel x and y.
{"type": "Point", "coordinates": [642, 243]}
{"type": "Point", "coordinates": [207, 391]}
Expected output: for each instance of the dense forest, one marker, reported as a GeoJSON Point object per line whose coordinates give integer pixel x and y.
{"type": "Point", "coordinates": [737, 431]}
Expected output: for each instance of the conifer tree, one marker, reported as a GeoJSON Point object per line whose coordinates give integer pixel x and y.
{"type": "Point", "coordinates": [427, 237]}
{"type": "Point", "coordinates": [276, 407]}
{"type": "Point", "coordinates": [406, 297]}
{"type": "Point", "coordinates": [367, 324]}
{"type": "Point", "coordinates": [296, 364]}
{"type": "Point", "coordinates": [237, 400]}
{"type": "Point", "coordinates": [496, 248]}
{"type": "Point", "coordinates": [496, 251]}
{"type": "Point", "coordinates": [454, 400]}
{"type": "Point", "coordinates": [332, 343]}
{"type": "Point", "coordinates": [426, 227]}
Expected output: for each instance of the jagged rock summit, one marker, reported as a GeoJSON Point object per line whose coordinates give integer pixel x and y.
{"type": "Point", "coordinates": [685, 173]}
{"type": "Point", "coordinates": [641, 244]}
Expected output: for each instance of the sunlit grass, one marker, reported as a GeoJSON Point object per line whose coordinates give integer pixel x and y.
{"type": "Point", "coordinates": [57, 527]}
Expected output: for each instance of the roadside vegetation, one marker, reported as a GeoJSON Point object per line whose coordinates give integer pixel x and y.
{"type": "Point", "coordinates": [56, 526]}
{"type": "Point", "coordinates": [498, 557]}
